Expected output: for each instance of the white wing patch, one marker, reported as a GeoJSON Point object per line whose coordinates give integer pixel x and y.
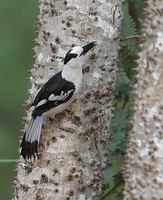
{"type": "Point", "coordinates": [42, 102]}
{"type": "Point", "coordinates": [60, 97]}
{"type": "Point", "coordinates": [52, 97]}
{"type": "Point", "coordinates": [66, 95]}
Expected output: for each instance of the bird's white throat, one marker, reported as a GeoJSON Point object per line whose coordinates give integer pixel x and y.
{"type": "Point", "coordinates": [72, 70]}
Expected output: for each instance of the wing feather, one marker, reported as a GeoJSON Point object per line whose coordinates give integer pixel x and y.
{"type": "Point", "coordinates": [53, 93]}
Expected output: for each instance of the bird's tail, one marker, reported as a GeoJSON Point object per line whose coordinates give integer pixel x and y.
{"type": "Point", "coordinates": [30, 141]}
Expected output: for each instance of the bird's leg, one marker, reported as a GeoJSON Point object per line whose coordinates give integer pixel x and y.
{"type": "Point", "coordinates": [56, 123]}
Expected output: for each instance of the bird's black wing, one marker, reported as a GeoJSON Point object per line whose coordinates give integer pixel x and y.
{"type": "Point", "coordinates": [53, 93]}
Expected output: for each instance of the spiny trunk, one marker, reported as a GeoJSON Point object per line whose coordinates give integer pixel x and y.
{"type": "Point", "coordinates": [144, 168]}
{"type": "Point", "coordinates": [70, 166]}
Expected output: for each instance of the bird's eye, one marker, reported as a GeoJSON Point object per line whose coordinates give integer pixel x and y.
{"type": "Point", "coordinates": [69, 56]}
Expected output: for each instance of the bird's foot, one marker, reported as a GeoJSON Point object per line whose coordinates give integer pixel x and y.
{"type": "Point", "coordinates": [56, 123]}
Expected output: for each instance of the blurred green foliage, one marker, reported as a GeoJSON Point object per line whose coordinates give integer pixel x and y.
{"type": "Point", "coordinates": [120, 126]}
{"type": "Point", "coordinates": [17, 33]}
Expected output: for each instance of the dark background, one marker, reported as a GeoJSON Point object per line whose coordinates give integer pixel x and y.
{"type": "Point", "coordinates": [17, 33]}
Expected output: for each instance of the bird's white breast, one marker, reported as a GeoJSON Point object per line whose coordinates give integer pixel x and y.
{"type": "Point", "coordinates": [73, 73]}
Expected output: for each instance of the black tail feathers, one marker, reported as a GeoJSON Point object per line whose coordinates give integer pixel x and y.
{"type": "Point", "coordinates": [28, 149]}
{"type": "Point", "coordinates": [30, 140]}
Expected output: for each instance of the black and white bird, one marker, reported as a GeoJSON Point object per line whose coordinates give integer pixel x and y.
{"type": "Point", "coordinates": [55, 96]}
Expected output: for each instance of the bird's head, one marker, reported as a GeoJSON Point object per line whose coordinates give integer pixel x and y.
{"type": "Point", "coordinates": [78, 51]}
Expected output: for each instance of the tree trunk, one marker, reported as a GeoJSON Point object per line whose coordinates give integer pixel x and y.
{"type": "Point", "coordinates": [144, 168]}
{"type": "Point", "coordinates": [70, 166]}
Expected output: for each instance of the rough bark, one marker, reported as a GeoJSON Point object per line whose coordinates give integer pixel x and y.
{"type": "Point", "coordinates": [144, 168]}
{"type": "Point", "coordinates": [70, 166]}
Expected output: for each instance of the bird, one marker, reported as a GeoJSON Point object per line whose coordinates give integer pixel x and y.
{"type": "Point", "coordinates": [54, 97]}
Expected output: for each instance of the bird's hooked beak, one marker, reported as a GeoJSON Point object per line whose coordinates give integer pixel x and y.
{"type": "Point", "coordinates": [88, 47]}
